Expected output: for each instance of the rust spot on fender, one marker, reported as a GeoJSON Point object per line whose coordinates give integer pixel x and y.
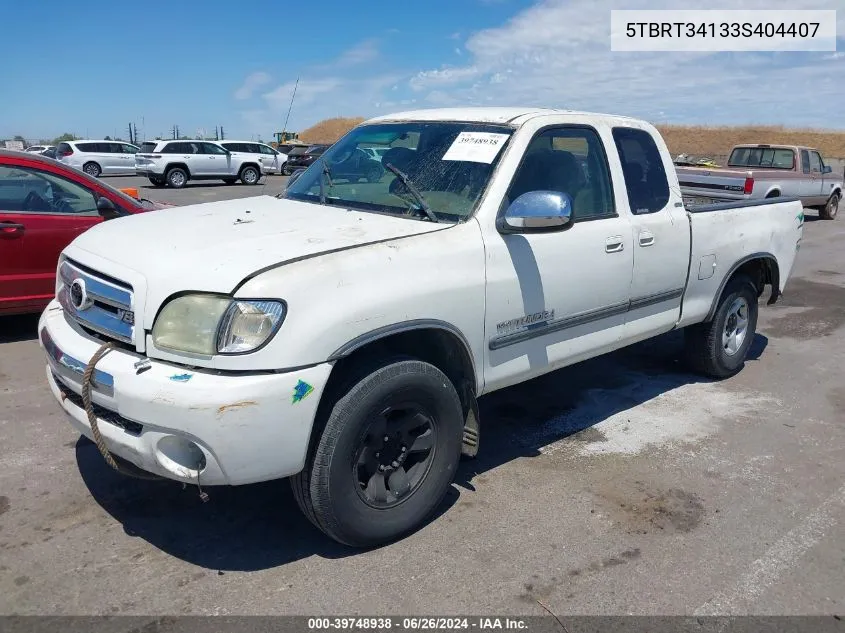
{"type": "Point", "coordinates": [236, 405]}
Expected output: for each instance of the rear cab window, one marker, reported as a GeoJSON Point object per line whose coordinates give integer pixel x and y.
{"type": "Point", "coordinates": [642, 166]}
{"type": "Point", "coordinates": [767, 157]}
{"type": "Point", "coordinates": [148, 147]}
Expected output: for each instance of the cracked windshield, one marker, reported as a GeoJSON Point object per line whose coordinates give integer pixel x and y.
{"type": "Point", "coordinates": [432, 170]}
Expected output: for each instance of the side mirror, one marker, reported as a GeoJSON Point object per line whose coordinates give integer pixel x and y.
{"type": "Point", "coordinates": [293, 177]}
{"type": "Point", "coordinates": [106, 208]}
{"type": "Point", "coordinates": [827, 169]}
{"type": "Point", "coordinates": [537, 212]}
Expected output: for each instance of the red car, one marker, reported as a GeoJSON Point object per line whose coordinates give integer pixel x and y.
{"type": "Point", "coordinates": [44, 205]}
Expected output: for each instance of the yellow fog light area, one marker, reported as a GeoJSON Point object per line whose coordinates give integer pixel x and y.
{"type": "Point", "coordinates": [248, 325]}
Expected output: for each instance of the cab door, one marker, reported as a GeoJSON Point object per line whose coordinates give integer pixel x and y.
{"type": "Point", "coordinates": [660, 234]}
{"type": "Point", "coordinates": [40, 213]}
{"type": "Point", "coordinates": [558, 297]}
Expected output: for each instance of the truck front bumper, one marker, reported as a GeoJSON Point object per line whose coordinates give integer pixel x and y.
{"type": "Point", "coordinates": [177, 422]}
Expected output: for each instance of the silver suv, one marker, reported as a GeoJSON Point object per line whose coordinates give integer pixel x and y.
{"type": "Point", "coordinates": [272, 161]}
{"type": "Point", "coordinates": [95, 158]}
{"type": "Point", "coordinates": [174, 163]}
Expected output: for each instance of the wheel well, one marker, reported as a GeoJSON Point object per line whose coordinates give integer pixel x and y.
{"type": "Point", "coordinates": [774, 193]}
{"type": "Point", "coordinates": [838, 191]}
{"type": "Point", "coordinates": [439, 347]}
{"type": "Point", "coordinates": [763, 270]}
{"type": "Point", "coordinates": [245, 165]}
{"type": "Point", "coordinates": [179, 165]}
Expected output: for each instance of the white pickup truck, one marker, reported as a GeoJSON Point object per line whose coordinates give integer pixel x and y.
{"type": "Point", "coordinates": [339, 334]}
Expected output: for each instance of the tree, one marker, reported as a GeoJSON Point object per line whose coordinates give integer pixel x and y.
{"type": "Point", "coordinates": [67, 136]}
{"type": "Point", "coordinates": [20, 138]}
{"type": "Point", "coordinates": [107, 138]}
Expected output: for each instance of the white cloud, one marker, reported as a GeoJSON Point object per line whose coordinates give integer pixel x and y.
{"type": "Point", "coordinates": [253, 82]}
{"type": "Point", "coordinates": [361, 53]}
{"type": "Point", "coordinates": [557, 53]}
{"type": "Point", "coordinates": [321, 98]}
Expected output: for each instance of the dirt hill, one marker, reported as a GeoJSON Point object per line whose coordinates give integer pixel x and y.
{"type": "Point", "coordinates": [717, 141]}
{"type": "Point", "coordinates": [697, 140]}
{"type": "Point", "coordinates": [329, 130]}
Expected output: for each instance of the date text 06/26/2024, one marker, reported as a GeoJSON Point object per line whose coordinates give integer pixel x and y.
{"type": "Point", "coordinates": [481, 624]}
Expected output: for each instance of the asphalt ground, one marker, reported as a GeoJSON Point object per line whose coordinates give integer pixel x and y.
{"type": "Point", "coordinates": [622, 485]}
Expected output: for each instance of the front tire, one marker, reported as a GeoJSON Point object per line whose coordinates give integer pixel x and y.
{"type": "Point", "coordinates": [829, 211]}
{"type": "Point", "coordinates": [386, 457]}
{"type": "Point", "coordinates": [92, 169]}
{"type": "Point", "coordinates": [719, 347]}
{"type": "Point", "coordinates": [157, 182]}
{"type": "Point", "coordinates": [249, 175]}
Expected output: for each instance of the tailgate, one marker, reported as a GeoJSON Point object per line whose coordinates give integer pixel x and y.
{"type": "Point", "coordinates": [703, 186]}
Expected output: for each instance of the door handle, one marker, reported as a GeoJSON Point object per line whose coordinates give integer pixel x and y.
{"type": "Point", "coordinates": [614, 244]}
{"type": "Point", "coordinates": [12, 229]}
{"type": "Point", "coordinates": [646, 238]}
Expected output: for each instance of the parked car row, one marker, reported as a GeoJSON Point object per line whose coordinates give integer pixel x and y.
{"type": "Point", "coordinates": [246, 161]}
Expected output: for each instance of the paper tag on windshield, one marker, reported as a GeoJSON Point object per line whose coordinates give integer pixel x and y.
{"type": "Point", "coordinates": [476, 147]}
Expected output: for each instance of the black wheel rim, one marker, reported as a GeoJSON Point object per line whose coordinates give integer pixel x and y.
{"type": "Point", "coordinates": [395, 455]}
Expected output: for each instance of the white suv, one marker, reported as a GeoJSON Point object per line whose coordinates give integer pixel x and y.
{"type": "Point", "coordinates": [98, 157]}
{"type": "Point", "coordinates": [174, 163]}
{"type": "Point", "coordinates": [272, 161]}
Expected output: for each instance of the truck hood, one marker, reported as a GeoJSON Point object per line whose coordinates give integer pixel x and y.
{"type": "Point", "coordinates": [214, 246]}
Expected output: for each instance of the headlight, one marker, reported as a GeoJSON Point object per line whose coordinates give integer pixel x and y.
{"type": "Point", "coordinates": [212, 324]}
{"type": "Point", "coordinates": [247, 325]}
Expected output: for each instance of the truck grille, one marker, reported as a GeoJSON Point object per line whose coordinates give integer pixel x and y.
{"type": "Point", "coordinates": [97, 302]}
{"type": "Point", "coordinates": [101, 412]}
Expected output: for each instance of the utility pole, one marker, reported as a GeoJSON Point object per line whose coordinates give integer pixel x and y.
{"type": "Point", "coordinates": [285, 128]}
{"type": "Point", "coordinates": [222, 136]}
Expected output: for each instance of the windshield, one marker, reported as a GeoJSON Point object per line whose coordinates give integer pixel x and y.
{"type": "Point", "coordinates": [449, 164]}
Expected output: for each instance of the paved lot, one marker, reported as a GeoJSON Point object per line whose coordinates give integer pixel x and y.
{"type": "Point", "coordinates": [201, 191]}
{"type": "Point", "coordinates": [621, 485]}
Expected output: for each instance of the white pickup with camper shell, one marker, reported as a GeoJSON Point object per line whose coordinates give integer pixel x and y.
{"type": "Point", "coordinates": [341, 333]}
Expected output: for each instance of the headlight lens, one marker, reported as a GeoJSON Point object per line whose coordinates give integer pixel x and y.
{"type": "Point", "coordinates": [247, 325]}
{"type": "Point", "coordinates": [211, 324]}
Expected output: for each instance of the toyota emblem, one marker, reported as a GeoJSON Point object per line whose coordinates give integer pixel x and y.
{"type": "Point", "coordinates": [78, 296]}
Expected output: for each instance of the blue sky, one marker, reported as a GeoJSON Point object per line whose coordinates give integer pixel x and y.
{"type": "Point", "coordinates": [90, 69]}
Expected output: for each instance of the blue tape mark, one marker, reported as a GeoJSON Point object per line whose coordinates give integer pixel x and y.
{"type": "Point", "coordinates": [181, 377]}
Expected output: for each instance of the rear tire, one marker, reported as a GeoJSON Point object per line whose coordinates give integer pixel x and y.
{"type": "Point", "coordinates": [230, 181]}
{"type": "Point", "coordinates": [831, 209]}
{"type": "Point", "coordinates": [719, 347]}
{"type": "Point", "coordinates": [176, 177]}
{"type": "Point", "coordinates": [250, 175]}
{"type": "Point", "coordinates": [355, 486]}
{"type": "Point", "coordinates": [92, 169]}
{"type": "Point", "coordinates": [157, 182]}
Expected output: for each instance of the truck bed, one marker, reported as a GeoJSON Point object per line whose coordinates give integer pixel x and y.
{"type": "Point", "coordinates": [725, 235]}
